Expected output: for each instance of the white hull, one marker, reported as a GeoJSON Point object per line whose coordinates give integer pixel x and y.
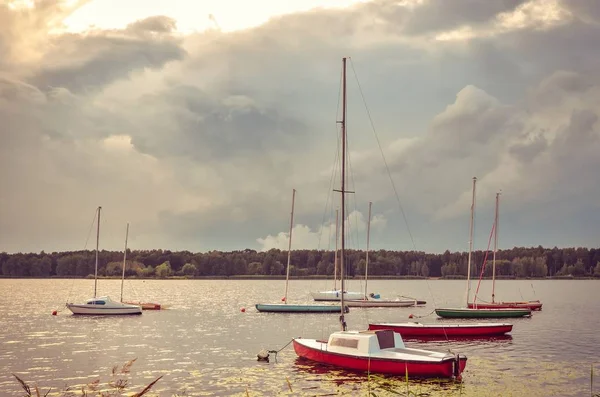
{"type": "Point", "coordinates": [103, 306]}
{"type": "Point", "coordinates": [335, 296]}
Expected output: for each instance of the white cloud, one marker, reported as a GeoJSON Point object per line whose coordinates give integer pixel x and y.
{"type": "Point", "coordinates": [324, 236]}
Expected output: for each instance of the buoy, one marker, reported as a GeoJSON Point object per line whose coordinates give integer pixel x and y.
{"type": "Point", "coordinates": [263, 355]}
{"type": "Point", "coordinates": [243, 310]}
{"type": "Point", "coordinates": [54, 312]}
{"type": "Point", "coordinates": [410, 316]}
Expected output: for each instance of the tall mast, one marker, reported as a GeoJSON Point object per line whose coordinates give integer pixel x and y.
{"type": "Point", "coordinates": [287, 275]}
{"type": "Point", "coordinates": [97, 245]}
{"type": "Point", "coordinates": [367, 259]}
{"type": "Point", "coordinates": [471, 241]}
{"type": "Point", "coordinates": [495, 246]}
{"type": "Point", "coordinates": [342, 191]}
{"type": "Point", "coordinates": [335, 258]}
{"type": "Point", "coordinates": [124, 260]}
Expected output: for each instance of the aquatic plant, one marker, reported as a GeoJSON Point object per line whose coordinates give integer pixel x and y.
{"type": "Point", "coordinates": [115, 387]}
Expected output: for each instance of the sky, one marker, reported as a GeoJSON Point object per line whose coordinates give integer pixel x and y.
{"type": "Point", "coordinates": [193, 121]}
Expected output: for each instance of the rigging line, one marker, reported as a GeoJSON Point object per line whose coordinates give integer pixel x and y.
{"type": "Point", "coordinates": [329, 194]}
{"type": "Point", "coordinates": [388, 172]}
{"type": "Point", "coordinates": [333, 171]}
{"type": "Point", "coordinates": [84, 248]}
{"type": "Point", "coordinates": [90, 231]}
{"type": "Point", "coordinates": [484, 262]}
{"type": "Point", "coordinates": [383, 156]}
{"type": "Point", "coordinates": [354, 199]}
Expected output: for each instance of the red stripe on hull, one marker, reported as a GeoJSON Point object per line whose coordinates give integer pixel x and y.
{"type": "Point", "coordinates": [462, 331]}
{"type": "Point", "coordinates": [534, 305]}
{"type": "Point", "coordinates": [374, 365]}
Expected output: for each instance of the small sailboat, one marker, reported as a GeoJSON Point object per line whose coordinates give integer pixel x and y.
{"type": "Point", "coordinates": [334, 295]}
{"type": "Point", "coordinates": [535, 305]}
{"type": "Point", "coordinates": [286, 307]}
{"type": "Point", "coordinates": [479, 312]}
{"type": "Point", "coordinates": [419, 330]}
{"type": "Point", "coordinates": [378, 351]}
{"type": "Point", "coordinates": [143, 305]}
{"type": "Point", "coordinates": [373, 300]}
{"type": "Point", "coordinates": [102, 305]}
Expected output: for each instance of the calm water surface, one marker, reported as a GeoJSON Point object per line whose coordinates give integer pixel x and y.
{"type": "Point", "coordinates": [204, 345]}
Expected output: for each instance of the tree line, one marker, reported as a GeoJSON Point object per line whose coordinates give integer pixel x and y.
{"type": "Point", "coordinates": [518, 262]}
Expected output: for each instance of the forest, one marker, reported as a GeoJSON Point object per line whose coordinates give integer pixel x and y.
{"type": "Point", "coordinates": [518, 262]}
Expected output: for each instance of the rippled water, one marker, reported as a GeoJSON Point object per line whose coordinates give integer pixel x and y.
{"type": "Point", "coordinates": [204, 345]}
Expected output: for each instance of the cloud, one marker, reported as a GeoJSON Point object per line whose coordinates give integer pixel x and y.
{"type": "Point", "coordinates": [324, 236]}
{"type": "Point", "coordinates": [198, 139]}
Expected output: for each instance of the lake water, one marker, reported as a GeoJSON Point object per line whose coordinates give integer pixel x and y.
{"type": "Point", "coordinates": [204, 345]}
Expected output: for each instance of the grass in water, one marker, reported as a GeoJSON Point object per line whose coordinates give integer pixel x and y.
{"type": "Point", "coordinates": [115, 387]}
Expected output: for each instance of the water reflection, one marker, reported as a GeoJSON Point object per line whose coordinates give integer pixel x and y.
{"type": "Point", "coordinates": [204, 345]}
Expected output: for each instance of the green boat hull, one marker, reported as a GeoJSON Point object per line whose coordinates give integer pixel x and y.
{"type": "Point", "coordinates": [483, 313]}
{"type": "Point", "coordinates": [291, 308]}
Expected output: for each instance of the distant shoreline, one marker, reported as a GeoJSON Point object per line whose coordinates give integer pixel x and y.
{"type": "Point", "coordinates": [265, 277]}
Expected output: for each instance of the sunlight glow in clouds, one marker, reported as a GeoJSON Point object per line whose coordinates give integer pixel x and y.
{"type": "Point", "coordinates": [228, 15]}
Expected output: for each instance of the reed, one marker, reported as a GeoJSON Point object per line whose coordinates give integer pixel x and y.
{"type": "Point", "coordinates": [117, 386]}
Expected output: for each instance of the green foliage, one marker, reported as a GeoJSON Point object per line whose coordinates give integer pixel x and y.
{"type": "Point", "coordinates": [189, 269]}
{"type": "Point", "coordinates": [163, 270]}
{"type": "Point", "coordinates": [515, 262]}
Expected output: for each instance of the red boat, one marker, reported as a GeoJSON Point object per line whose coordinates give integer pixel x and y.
{"type": "Point", "coordinates": [418, 330]}
{"type": "Point", "coordinates": [147, 305]}
{"type": "Point", "coordinates": [532, 305]}
{"type": "Point", "coordinates": [381, 351]}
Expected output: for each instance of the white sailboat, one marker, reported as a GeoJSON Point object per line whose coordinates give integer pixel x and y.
{"type": "Point", "coordinates": [102, 305]}
{"type": "Point", "coordinates": [334, 295]}
{"type": "Point", "coordinates": [372, 300]}
{"type": "Point", "coordinates": [286, 307]}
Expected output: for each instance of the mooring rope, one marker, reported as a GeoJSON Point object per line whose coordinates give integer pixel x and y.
{"type": "Point", "coordinates": [275, 352]}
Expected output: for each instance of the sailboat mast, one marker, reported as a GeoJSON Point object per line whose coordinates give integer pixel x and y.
{"type": "Point", "coordinates": [124, 260]}
{"type": "Point", "coordinates": [495, 246]}
{"type": "Point", "coordinates": [97, 245]}
{"type": "Point", "coordinates": [471, 241]}
{"type": "Point", "coordinates": [367, 258]}
{"type": "Point", "coordinates": [342, 190]}
{"type": "Point", "coordinates": [335, 258]}
{"type": "Point", "coordinates": [287, 275]}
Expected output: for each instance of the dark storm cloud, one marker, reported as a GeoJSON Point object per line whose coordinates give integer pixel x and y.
{"type": "Point", "coordinates": [206, 128]}
{"type": "Point", "coordinates": [88, 62]}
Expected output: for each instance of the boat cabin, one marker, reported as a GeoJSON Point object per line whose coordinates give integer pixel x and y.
{"type": "Point", "coordinates": [98, 301]}
{"type": "Point", "coordinates": [364, 342]}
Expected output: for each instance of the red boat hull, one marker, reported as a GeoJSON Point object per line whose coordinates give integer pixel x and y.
{"type": "Point", "coordinates": [447, 331]}
{"type": "Point", "coordinates": [443, 369]}
{"type": "Point", "coordinates": [532, 305]}
{"type": "Point", "coordinates": [146, 306]}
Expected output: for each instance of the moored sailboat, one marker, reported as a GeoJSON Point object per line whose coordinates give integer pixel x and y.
{"type": "Point", "coordinates": [143, 305]}
{"type": "Point", "coordinates": [334, 295]}
{"type": "Point", "coordinates": [375, 301]}
{"type": "Point", "coordinates": [464, 330]}
{"type": "Point", "coordinates": [381, 351]}
{"type": "Point", "coordinates": [478, 312]}
{"type": "Point", "coordinates": [102, 305]}
{"type": "Point", "coordinates": [286, 307]}
{"type": "Point", "coordinates": [535, 305]}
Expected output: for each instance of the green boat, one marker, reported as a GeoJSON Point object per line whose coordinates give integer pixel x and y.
{"type": "Point", "coordinates": [292, 308]}
{"type": "Point", "coordinates": [483, 313]}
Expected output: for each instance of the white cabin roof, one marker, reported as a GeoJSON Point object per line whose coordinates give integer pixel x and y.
{"type": "Point", "coordinates": [364, 342]}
